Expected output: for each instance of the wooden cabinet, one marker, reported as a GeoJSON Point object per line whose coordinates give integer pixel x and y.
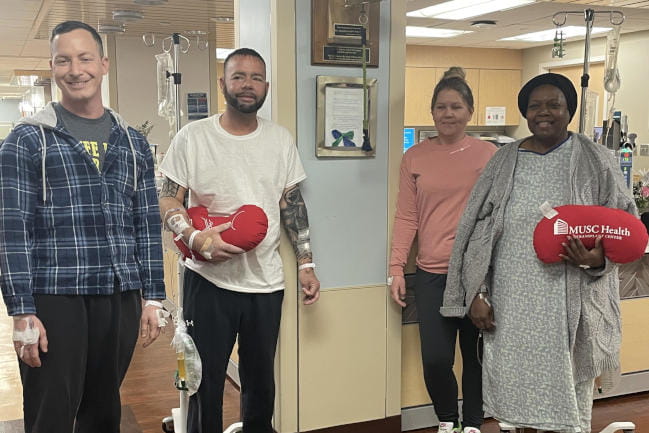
{"type": "Point", "coordinates": [490, 87]}
{"type": "Point", "coordinates": [420, 83]}
{"type": "Point", "coordinates": [499, 88]}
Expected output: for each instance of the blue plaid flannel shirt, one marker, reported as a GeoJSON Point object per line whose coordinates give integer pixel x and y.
{"type": "Point", "coordinates": [87, 229]}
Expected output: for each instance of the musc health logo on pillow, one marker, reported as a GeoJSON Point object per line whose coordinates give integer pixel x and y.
{"type": "Point", "coordinates": [624, 236]}
{"type": "Point", "coordinates": [563, 228]}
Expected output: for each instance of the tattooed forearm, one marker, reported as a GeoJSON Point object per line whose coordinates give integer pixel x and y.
{"type": "Point", "coordinates": [169, 188]}
{"type": "Point", "coordinates": [296, 223]}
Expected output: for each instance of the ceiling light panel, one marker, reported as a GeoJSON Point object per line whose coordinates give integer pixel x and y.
{"type": "Point", "coordinates": [432, 32]}
{"type": "Point", "coordinates": [462, 9]}
{"type": "Point", "coordinates": [549, 35]}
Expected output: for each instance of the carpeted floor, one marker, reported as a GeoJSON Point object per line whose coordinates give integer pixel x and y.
{"type": "Point", "coordinates": [128, 424]}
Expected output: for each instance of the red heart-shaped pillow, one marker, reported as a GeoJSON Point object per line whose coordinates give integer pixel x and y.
{"type": "Point", "coordinates": [248, 229]}
{"type": "Point", "coordinates": [624, 237]}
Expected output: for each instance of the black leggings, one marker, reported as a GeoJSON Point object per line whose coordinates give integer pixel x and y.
{"type": "Point", "coordinates": [438, 335]}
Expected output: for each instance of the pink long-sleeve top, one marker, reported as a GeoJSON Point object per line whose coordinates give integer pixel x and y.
{"type": "Point", "coordinates": [435, 183]}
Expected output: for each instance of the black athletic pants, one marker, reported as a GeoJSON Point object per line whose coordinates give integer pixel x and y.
{"type": "Point", "coordinates": [438, 335]}
{"type": "Point", "coordinates": [91, 341]}
{"type": "Point", "coordinates": [218, 316]}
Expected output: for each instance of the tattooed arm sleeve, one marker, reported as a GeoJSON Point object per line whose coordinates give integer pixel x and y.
{"type": "Point", "coordinates": [172, 199]}
{"type": "Point", "coordinates": [296, 223]}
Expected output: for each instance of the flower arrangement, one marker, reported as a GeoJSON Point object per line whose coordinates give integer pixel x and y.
{"type": "Point", "coordinates": [641, 192]}
{"type": "Point", "coordinates": [144, 128]}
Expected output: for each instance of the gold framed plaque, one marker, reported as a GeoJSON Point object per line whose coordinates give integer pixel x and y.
{"type": "Point", "coordinates": [336, 29]}
{"type": "Point", "coordinates": [340, 116]}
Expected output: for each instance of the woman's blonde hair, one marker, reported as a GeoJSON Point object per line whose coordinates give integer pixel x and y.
{"type": "Point", "coordinates": [454, 79]}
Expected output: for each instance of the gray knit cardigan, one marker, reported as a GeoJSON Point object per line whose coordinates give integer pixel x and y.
{"type": "Point", "coordinates": [592, 296]}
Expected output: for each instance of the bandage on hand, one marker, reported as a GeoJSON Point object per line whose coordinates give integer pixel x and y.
{"type": "Point", "coordinates": [25, 332]}
{"type": "Point", "coordinates": [162, 315]}
{"type": "Point", "coordinates": [205, 249]}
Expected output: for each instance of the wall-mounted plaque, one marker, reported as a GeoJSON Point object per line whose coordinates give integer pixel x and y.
{"type": "Point", "coordinates": [336, 32]}
{"type": "Point", "coordinates": [340, 117]}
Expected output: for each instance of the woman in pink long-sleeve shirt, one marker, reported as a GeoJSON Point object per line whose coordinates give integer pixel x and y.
{"type": "Point", "coordinates": [437, 176]}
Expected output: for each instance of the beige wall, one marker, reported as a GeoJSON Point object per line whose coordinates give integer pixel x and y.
{"type": "Point", "coordinates": [634, 354]}
{"type": "Point", "coordinates": [633, 63]}
{"type": "Point", "coordinates": [342, 371]}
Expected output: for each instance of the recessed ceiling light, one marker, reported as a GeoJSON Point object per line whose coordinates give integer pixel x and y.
{"type": "Point", "coordinates": [150, 2]}
{"type": "Point", "coordinates": [127, 15]}
{"type": "Point", "coordinates": [222, 19]}
{"type": "Point", "coordinates": [462, 9]}
{"type": "Point", "coordinates": [548, 35]}
{"type": "Point", "coordinates": [432, 32]}
{"type": "Point", "coordinates": [483, 24]}
{"type": "Point", "coordinates": [195, 32]}
{"type": "Point", "coordinates": [111, 28]}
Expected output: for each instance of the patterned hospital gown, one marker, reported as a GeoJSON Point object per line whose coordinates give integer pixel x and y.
{"type": "Point", "coordinates": [527, 368]}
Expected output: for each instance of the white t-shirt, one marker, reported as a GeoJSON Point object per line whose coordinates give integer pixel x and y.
{"type": "Point", "coordinates": [223, 172]}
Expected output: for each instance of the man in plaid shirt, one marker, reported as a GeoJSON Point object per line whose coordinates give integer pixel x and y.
{"type": "Point", "coordinates": [80, 245]}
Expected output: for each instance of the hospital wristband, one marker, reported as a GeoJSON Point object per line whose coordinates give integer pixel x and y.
{"type": "Point", "coordinates": [190, 242]}
{"type": "Point", "coordinates": [306, 266]}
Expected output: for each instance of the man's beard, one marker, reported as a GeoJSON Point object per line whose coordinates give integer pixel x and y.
{"type": "Point", "coordinates": [243, 108]}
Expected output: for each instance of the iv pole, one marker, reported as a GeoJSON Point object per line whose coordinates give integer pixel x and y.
{"type": "Point", "coordinates": [177, 76]}
{"type": "Point", "coordinates": [179, 415]}
{"type": "Point", "coordinates": [616, 18]}
{"type": "Point", "coordinates": [177, 47]}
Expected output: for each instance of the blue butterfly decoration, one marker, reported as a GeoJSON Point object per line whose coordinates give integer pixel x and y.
{"type": "Point", "coordinates": [345, 137]}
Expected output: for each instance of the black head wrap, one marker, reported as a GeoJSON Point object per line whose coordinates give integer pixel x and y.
{"type": "Point", "coordinates": [556, 80]}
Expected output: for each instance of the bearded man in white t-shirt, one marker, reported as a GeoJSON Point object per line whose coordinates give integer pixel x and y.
{"type": "Point", "coordinates": [224, 162]}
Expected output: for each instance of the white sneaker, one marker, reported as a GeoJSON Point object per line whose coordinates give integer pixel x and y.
{"type": "Point", "coordinates": [471, 430]}
{"type": "Point", "coordinates": [446, 427]}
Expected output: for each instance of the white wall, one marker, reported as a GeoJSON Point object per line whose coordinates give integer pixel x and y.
{"type": "Point", "coordinates": [348, 211]}
{"type": "Point", "coordinates": [137, 89]}
{"type": "Point", "coordinates": [255, 34]}
{"type": "Point", "coordinates": [633, 63]}
{"type": "Point", "coordinates": [9, 110]}
{"type": "Point", "coordinates": [8, 115]}
{"type": "Point", "coordinates": [343, 370]}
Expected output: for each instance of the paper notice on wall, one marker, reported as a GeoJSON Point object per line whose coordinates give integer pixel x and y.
{"type": "Point", "coordinates": [495, 116]}
{"type": "Point", "coordinates": [344, 117]}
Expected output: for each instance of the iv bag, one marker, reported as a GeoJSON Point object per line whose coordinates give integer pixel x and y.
{"type": "Point", "coordinates": [165, 86]}
{"type": "Point", "coordinates": [611, 73]}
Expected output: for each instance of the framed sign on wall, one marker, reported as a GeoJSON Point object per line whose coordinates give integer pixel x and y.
{"type": "Point", "coordinates": [341, 116]}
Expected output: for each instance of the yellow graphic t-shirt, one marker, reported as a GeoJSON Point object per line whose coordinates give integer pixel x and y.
{"type": "Point", "coordinates": [93, 134]}
{"type": "Point", "coordinates": [96, 151]}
